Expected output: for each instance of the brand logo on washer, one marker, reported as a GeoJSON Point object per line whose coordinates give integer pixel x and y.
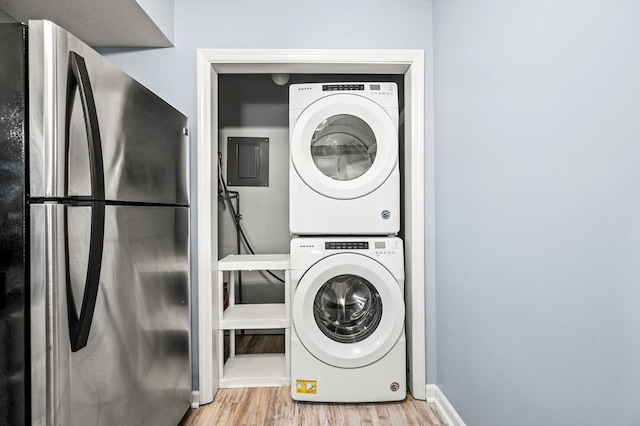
{"type": "Point", "coordinates": [395, 386]}
{"type": "Point", "coordinates": [386, 214]}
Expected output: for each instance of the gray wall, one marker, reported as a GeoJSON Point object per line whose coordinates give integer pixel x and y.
{"type": "Point", "coordinates": [254, 106]}
{"type": "Point", "coordinates": [538, 210]}
{"type": "Point", "coordinates": [280, 24]}
{"type": "Point", "coordinates": [162, 13]}
{"type": "Point", "coordinates": [4, 18]}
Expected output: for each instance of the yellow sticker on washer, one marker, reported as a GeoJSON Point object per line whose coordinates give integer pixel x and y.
{"type": "Point", "coordinates": [307, 386]}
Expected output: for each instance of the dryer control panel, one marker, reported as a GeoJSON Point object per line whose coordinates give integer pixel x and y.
{"type": "Point", "coordinates": [344, 86]}
{"type": "Point", "coordinates": [383, 93]}
{"type": "Point", "coordinates": [372, 89]}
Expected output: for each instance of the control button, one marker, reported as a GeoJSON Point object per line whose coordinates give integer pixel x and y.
{"type": "Point", "coordinates": [346, 245]}
{"type": "Point", "coordinates": [337, 87]}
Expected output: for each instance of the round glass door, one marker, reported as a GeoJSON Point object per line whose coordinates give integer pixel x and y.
{"type": "Point", "coordinates": [343, 147]}
{"type": "Point", "coordinates": [347, 309]}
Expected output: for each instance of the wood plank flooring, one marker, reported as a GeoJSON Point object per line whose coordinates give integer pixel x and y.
{"type": "Point", "coordinates": [274, 406]}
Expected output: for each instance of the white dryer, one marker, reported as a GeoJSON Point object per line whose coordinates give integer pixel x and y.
{"type": "Point", "coordinates": [348, 312]}
{"type": "Point", "coordinates": [344, 175]}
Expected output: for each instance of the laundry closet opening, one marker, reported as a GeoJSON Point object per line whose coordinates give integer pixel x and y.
{"type": "Point", "coordinates": [253, 109]}
{"type": "Point", "coordinates": [217, 71]}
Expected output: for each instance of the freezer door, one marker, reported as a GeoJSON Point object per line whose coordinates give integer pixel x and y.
{"type": "Point", "coordinates": [135, 367]}
{"type": "Point", "coordinates": [115, 350]}
{"type": "Point", "coordinates": [89, 122]}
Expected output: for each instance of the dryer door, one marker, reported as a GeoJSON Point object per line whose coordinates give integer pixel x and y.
{"type": "Point", "coordinates": [348, 310]}
{"type": "Point", "coordinates": [344, 146]}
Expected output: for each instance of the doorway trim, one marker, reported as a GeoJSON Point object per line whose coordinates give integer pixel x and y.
{"type": "Point", "coordinates": [419, 194]}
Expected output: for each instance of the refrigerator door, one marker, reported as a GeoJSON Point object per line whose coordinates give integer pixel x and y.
{"type": "Point", "coordinates": [133, 367]}
{"type": "Point", "coordinates": [86, 114]}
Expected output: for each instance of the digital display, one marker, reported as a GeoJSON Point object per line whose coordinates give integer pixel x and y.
{"type": "Point", "coordinates": [375, 87]}
{"type": "Point", "coordinates": [379, 244]}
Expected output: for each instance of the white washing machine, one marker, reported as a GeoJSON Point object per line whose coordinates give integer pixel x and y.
{"type": "Point", "coordinates": [347, 334]}
{"type": "Point", "coordinates": [343, 174]}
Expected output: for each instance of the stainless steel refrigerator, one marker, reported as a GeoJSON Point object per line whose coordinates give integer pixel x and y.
{"type": "Point", "coordinates": [94, 239]}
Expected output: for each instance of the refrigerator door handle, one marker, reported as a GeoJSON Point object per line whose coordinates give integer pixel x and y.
{"type": "Point", "coordinates": [78, 78]}
{"type": "Point", "coordinates": [80, 325]}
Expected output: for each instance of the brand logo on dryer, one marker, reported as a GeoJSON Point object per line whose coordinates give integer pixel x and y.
{"type": "Point", "coordinates": [386, 214]}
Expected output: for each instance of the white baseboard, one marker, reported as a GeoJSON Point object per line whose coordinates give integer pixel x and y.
{"type": "Point", "coordinates": [195, 399]}
{"type": "Point", "coordinates": [445, 409]}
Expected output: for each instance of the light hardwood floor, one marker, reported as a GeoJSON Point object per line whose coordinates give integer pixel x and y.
{"type": "Point", "coordinates": [274, 406]}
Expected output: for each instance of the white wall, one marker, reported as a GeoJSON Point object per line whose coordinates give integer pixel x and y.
{"type": "Point", "coordinates": [538, 210]}
{"type": "Point", "coordinates": [279, 24]}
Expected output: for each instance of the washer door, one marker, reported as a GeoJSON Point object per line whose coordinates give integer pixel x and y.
{"type": "Point", "coordinates": [348, 310]}
{"type": "Point", "coordinates": [344, 146]}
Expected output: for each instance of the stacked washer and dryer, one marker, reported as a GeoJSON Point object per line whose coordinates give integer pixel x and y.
{"type": "Point", "coordinates": [347, 264]}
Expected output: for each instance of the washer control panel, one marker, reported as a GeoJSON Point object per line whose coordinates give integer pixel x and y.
{"type": "Point", "coordinates": [305, 251]}
{"type": "Point", "coordinates": [387, 247]}
{"type": "Point", "coordinates": [346, 245]}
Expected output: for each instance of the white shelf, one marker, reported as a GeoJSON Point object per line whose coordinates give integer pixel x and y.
{"type": "Point", "coordinates": [254, 262]}
{"type": "Point", "coordinates": [268, 315]}
{"type": "Point", "coordinates": [260, 370]}
{"type": "Point", "coordinates": [253, 370]}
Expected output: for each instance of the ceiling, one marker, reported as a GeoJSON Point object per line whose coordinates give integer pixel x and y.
{"type": "Point", "coordinates": [99, 23]}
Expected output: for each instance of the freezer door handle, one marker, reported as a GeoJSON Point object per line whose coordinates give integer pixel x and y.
{"type": "Point", "coordinates": [78, 79]}
{"type": "Point", "coordinates": [80, 325]}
